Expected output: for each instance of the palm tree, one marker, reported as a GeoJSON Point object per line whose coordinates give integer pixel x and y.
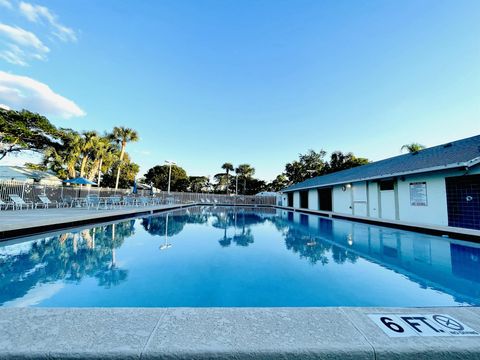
{"type": "Point", "coordinates": [227, 167]}
{"type": "Point", "coordinates": [64, 159]}
{"type": "Point", "coordinates": [122, 135]}
{"type": "Point", "coordinates": [102, 147]}
{"type": "Point", "coordinates": [88, 140]}
{"type": "Point", "coordinates": [413, 147]}
{"type": "Point", "coordinates": [246, 172]}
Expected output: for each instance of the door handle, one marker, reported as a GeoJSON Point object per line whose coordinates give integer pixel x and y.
{"type": "Point", "coordinates": [469, 198]}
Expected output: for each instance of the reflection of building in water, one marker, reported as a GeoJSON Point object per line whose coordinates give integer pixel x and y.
{"type": "Point", "coordinates": [428, 260]}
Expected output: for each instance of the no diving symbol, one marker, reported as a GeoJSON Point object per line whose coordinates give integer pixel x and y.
{"type": "Point", "coordinates": [447, 322]}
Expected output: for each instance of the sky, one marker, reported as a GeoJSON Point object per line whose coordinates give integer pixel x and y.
{"type": "Point", "coordinates": [249, 81]}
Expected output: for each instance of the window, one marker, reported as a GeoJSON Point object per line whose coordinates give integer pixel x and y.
{"type": "Point", "coordinates": [387, 185]}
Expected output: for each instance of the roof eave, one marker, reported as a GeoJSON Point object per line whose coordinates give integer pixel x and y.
{"type": "Point", "coordinates": [419, 171]}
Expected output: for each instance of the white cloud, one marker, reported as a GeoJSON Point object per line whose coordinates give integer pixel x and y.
{"type": "Point", "coordinates": [41, 14]}
{"type": "Point", "coordinates": [20, 45]}
{"type": "Point", "coordinates": [6, 4]}
{"type": "Point", "coordinates": [22, 92]}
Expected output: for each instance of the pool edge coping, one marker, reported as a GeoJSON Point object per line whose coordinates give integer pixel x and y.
{"type": "Point", "coordinates": [232, 333]}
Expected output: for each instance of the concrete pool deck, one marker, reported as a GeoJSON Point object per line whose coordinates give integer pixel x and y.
{"type": "Point", "coordinates": [223, 333]}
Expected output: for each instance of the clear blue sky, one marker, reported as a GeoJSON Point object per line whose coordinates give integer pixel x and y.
{"type": "Point", "coordinates": [205, 82]}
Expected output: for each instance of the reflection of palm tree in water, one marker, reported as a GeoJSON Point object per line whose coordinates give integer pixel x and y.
{"type": "Point", "coordinates": [111, 275]}
{"type": "Point", "coordinates": [246, 237]}
{"type": "Point", "coordinates": [67, 257]}
{"type": "Point", "coordinates": [223, 222]}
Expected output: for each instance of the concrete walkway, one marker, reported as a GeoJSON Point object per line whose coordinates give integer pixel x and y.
{"type": "Point", "coordinates": [22, 222]}
{"type": "Point", "coordinates": [226, 333]}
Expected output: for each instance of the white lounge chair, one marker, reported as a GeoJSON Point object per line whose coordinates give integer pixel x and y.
{"type": "Point", "coordinates": [46, 202]}
{"type": "Point", "coordinates": [19, 203]}
{"type": "Point", "coordinates": [5, 205]}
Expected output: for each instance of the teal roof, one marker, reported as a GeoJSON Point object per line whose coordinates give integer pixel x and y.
{"type": "Point", "coordinates": [460, 153]}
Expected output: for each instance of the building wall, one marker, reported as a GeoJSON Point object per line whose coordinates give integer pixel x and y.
{"type": "Point", "coordinates": [365, 199]}
{"type": "Point", "coordinates": [342, 200]}
{"type": "Point", "coordinates": [435, 212]}
{"type": "Point", "coordinates": [296, 199]}
{"type": "Point", "coordinates": [313, 199]}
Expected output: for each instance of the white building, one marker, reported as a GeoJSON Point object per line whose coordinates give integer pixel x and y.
{"type": "Point", "coordinates": [435, 186]}
{"type": "Point", "coordinates": [19, 173]}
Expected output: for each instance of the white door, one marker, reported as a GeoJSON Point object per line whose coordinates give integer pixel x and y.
{"type": "Point", "coordinates": [387, 203]}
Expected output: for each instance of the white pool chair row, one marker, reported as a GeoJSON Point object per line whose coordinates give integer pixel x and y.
{"type": "Point", "coordinates": [18, 203]}
{"type": "Point", "coordinates": [91, 201]}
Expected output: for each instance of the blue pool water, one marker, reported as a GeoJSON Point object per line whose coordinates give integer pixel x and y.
{"type": "Point", "coordinates": [238, 257]}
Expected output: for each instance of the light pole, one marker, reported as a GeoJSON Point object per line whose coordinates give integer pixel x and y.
{"type": "Point", "coordinates": [169, 163]}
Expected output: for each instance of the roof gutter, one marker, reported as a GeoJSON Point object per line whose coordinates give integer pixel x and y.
{"type": "Point", "coordinates": [467, 164]}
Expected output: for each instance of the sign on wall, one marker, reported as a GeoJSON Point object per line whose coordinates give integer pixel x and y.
{"type": "Point", "coordinates": [418, 193]}
{"type": "Point", "coordinates": [405, 325]}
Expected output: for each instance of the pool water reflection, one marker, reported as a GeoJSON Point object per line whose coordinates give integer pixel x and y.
{"type": "Point", "coordinates": [238, 257]}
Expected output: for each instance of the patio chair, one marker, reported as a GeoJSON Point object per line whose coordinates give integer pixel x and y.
{"type": "Point", "coordinates": [46, 202]}
{"type": "Point", "coordinates": [5, 205]}
{"type": "Point", "coordinates": [143, 201]}
{"type": "Point", "coordinates": [19, 203]}
{"type": "Point", "coordinates": [67, 201]}
{"type": "Point", "coordinates": [113, 201]}
{"type": "Point", "coordinates": [129, 201]}
{"type": "Point", "coordinates": [156, 200]}
{"type": "Point", "coordinates": [92, 201]}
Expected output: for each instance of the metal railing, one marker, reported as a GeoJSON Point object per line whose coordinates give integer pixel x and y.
{"type": "Point", "coordinates": [29, 192]}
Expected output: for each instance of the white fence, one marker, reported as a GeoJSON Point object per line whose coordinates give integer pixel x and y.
{"type": "Point", "coordinates": [30, 191]}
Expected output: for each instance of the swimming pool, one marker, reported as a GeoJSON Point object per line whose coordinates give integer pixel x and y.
{"type": "Point", "coordinates": [206, 256]}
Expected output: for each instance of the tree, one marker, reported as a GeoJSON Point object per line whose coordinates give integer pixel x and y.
{"type": "Point", "coordinates": [222, 182]}
{"type": "Point", "coordinates": [122, 135]}
{"type": "Point", "coordinates": [199, 183]}
{"type": "Point", "coordinates": [25, 131]}
{"type": "Point", "coordinates": [87, 142]}
{"type": "Point", "coordinates": [102, 150]}
{"type": "Point", "coordinates": [308, 165]}
{"type": "Point", "coordinates": [128, 171]}
{"type": "Point", "coordinates": [279, 183]}
{"type": "Point", "coordinates": [245, 171]}
{"type": "Point", "coordinates": [340, 161]}
{"type": "Point", "coordinates": [227, 167]}
{"type": "Point", "coordinates": [254, 186]}
{"type": "Point", "coordinates": [412, 147]}
{"type": "Point", "coordinates": [158, 175]}
{"type": "Point", "coordinates": [64, 159]}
